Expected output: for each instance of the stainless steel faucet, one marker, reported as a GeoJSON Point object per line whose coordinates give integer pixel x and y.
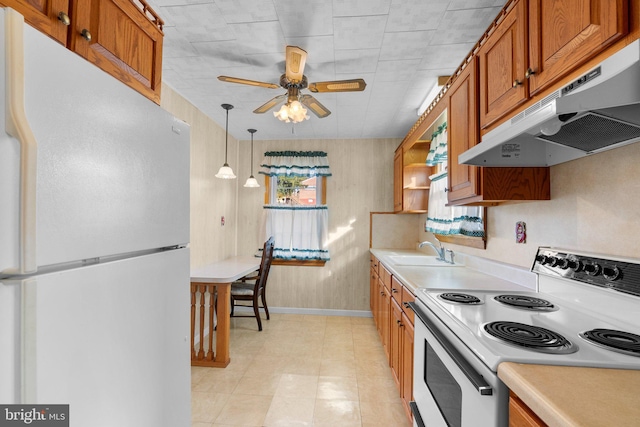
{"type": "Point", "coordinates": [439, 251]}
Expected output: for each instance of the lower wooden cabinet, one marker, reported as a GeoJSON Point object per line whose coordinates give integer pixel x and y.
{"type": "Point", "coordinates": [520, 415]}
{"type": "Point", "coordinates": [394, 320]}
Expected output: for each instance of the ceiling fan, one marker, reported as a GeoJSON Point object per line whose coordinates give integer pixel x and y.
{"type": "Point", "coordinates": [293, 80]}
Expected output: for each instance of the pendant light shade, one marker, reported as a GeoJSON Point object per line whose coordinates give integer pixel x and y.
{"type": "Point", "coordinates": [251, 181]}
{"type": "Point", "coordinates": [225, 172]}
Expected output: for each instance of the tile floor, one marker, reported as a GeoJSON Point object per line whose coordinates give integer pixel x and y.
{"type": "Point", "coordinates": [301, 370]}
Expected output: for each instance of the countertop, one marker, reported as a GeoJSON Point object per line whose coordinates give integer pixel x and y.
{"type": "Point", "coordinates": [470, 274]}
{"type": "Point", "coordinates": [576, 396]}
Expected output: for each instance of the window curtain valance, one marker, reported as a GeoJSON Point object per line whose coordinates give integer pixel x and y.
{"type": "Point", "coordinates": [295, 163]}
{"type": "Point", "coordinates": [300, 232]}
{"type": "Point", "coordinates": [442, 219]}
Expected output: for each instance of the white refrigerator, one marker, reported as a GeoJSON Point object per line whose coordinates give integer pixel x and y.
{"type": "Point", "coordinates": [94, 229]}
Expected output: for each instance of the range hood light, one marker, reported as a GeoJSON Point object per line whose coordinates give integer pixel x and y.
{"type": "Point", "coordinates": [551, 127]}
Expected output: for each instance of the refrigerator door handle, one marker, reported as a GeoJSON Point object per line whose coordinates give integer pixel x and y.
{"type": "Point", "coordinates": [18, 127]}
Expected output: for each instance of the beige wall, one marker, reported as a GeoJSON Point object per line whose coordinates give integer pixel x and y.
{"type": "Point", "coordinates": [594, 207]}
{"type": "Point", "coordinates": [362, 172]}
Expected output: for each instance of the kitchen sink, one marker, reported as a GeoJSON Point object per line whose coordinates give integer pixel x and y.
{"type": "Point", "coordinates": [420, 260]}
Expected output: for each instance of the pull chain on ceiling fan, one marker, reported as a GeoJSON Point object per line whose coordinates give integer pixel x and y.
{"type": "Point", "coordinates": [293, 80]}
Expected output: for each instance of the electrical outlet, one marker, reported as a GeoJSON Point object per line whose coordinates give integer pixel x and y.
{"type": "Point", "coordinates": [521, 232]}
{"type": "Point", "coordinates": [222, 221]}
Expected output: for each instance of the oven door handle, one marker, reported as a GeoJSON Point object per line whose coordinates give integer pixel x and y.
{"type": "Point", "coordinates": [469, 371]}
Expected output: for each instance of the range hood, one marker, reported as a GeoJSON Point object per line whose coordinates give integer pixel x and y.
{"type": "Point", "coordinates": [596, 112]}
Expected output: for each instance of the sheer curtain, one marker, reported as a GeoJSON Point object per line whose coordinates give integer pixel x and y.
{"type": "Point", "coordinates": [443, 219]}
{"type": "Point", "coordinates": [300, 231]}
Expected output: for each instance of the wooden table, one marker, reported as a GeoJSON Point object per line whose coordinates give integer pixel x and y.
{"type": "Point", "coordinates": [215, 279]}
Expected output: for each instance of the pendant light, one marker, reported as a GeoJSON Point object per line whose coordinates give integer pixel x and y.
{"type": "Point", "coordinates": [225, 172]}
{"type": "Point", "coordinates": [251, 181]}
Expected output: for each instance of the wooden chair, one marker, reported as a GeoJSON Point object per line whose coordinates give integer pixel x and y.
{"type": "Point", "coordinates": [244, 290]}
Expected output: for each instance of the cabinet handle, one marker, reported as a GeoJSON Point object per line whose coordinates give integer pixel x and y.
{"type": "Point", "coordinates": [405, 304]}
{"type": "Point", "coordinates": [64, 18]}
{"type": "Point", "coordinates": [517, 83]}
{"type": "Point", "coordinates": [399, 323]}
{"type": "Point", "coordinates": [382, 293]}
{"type": "Point", "coordinates": [86, 34]}
{"type": "Point", "coordinates": [394, 290]}
{"type": "Point", "coordinates": [529, 73]}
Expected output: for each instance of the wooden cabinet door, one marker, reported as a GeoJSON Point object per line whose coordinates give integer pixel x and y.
{"type": "Point", "coordinates": [563, 34]}
{"type": "Point", "coordinates": [373, 290]}
{"type": "Point", "coordinates": [385, 318]}
{"type": "Point", "coordinates": [520, 415]}
{"type": "Point", "coordinates": [501, 63]}
{"type": "Point", "coordinates": [123, 42]}
{"type": "Point", "coordinates": [462, 125]}
{"type": "Point", "coordinates": [397, 180]}
{"type": "Point", "coordinates": [43, 15]}
{"type": "Point", "coordinates": [395, 336]}
{"type": "Point", "coordinates": [406, 371]}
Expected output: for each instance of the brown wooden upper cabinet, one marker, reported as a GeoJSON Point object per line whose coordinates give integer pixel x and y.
{"type": "Point", "coordinates": [484, 186]}
{"type": "Point", "coordinates": [517, 60]}
{"type": "Point", "coordinates": [121, 37]}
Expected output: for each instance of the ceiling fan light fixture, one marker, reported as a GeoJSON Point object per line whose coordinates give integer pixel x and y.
{"type": "Point", "coordinates": [292, 112]}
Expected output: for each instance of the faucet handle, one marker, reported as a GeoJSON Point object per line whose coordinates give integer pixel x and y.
{"type": "Point", "coordinates": [451, 254]}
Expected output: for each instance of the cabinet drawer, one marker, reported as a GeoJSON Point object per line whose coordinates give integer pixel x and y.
{"type": "Point", "coordinates": [408, 297]}
{"type": "Point", "coordinates": [385, 276]}
{"type": "Point", "coordinates": [396, 290]}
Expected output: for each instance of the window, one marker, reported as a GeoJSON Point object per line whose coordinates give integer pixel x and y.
{"type": "Point", "coordinates": [295, 210]}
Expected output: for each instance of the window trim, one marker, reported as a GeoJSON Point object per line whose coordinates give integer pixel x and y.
{"type": "Point", "coordinates": [321, 199]}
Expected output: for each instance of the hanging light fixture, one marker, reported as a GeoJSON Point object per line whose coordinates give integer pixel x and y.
{"type": "Point", "coordinates": [292, 111]}
{"type": "Point", "coordinates": [225, 172]}
{"type": "Point", "coordinates": [251, 181]}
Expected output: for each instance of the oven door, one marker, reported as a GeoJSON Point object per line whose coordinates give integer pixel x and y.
{"type": "Point", "coordinates": [452, 387]}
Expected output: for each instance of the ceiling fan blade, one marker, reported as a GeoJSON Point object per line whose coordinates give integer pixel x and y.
{"type": "Point", "coordinates": [248, 82]}
{"type": "Point", "coordinates": [313, 104]}
{"type": "Point", "coordinates": [294, 67]}
{"type": "Point", "coordinates": [354, 85]}
{"type": "Point", "coordinates": [269, 104]}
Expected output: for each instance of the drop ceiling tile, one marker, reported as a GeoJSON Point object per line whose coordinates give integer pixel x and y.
{"type": "Point", "coordinates": [175, 45]}
{"type": "Point", "coordinates": [198, 22]}
{"type": "Point", "coordinates": [310, 18]}
{"type": "Point", "coordinates": [407, 45]}
{"type": "Point", "coordinates": [360, 7]}
{"type": "Point", "coordinates": [360, 32]}
{"type": "Point", "coordinates": [237, 11]}
{"type": "Point", "coordinates": [357, 61]}
{"type": "Point", "coordinates": [259, 37]}
{"type": "Point", "coordinates": [475, 4]}
{"type": "Point", "coordinates": [394, 71]}
{"type": "Point", "coordinates": [464, 26]}
{"type": "Point", "coordinates": [444, 56]}
{"type": "Point", "coordinates": [409, 15]}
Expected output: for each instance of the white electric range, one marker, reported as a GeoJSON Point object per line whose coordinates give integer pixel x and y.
{"type": "Point", "coordinates": [585, 313]}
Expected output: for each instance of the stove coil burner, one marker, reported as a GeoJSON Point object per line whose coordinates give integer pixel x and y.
{"type": "Point", "coordinates": [460, 298]}
{"type": "Point", "coordinates": [531, 337]}
{"type": "Point", "coordinates": [525, 302]}
{"type": "Point", "coordinates": [620, 341]}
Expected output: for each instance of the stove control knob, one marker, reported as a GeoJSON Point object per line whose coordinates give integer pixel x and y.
{"type": "Point", "coordinates": [541, 258]}
{"type": "Point", "coordinates": [551, 261]}
{"type": "Point", "coordinates": [592, 269]}
{"type": "Point", "coordinates": [563, 263]}
{"type": "Point", "coordinates": [575, 265]}
{"type": "Point", "coordinates": [611, 273]}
